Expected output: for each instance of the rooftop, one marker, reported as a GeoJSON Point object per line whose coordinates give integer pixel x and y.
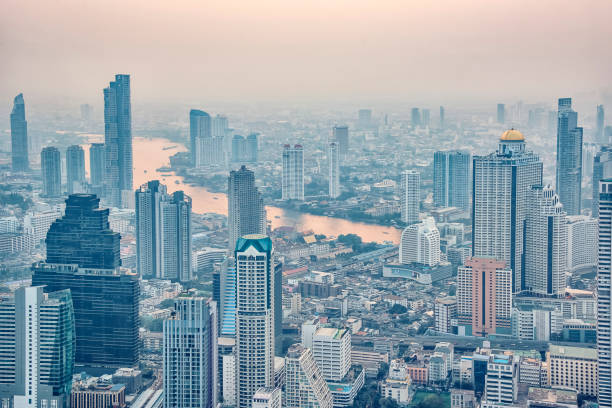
{"type": "Point", "coordinates": [573, 352]}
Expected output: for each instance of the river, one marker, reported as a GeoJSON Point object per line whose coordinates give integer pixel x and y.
{"type": "Point", "coordinates": [151, 154]}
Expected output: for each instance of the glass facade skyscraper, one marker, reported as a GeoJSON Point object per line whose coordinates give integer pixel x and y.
{"type": "Point", "coordinates": [97, 167]}
{"type": "Point", "coordinates": [569, 157]}
{"type": "Point", "coordinates": [452, 179]}
{"type": "Point", "coordinates": [51, 171]}
{"type": "Point", "coordinates": [246, 211]}
{"type": "Point", "coordinates": [200, 127]}
{"type": "Point", "coordinates": [75, 169]}
{"type": "Point", "coordinates": [19, 136]}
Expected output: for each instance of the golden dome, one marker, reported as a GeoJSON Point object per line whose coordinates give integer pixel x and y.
{"type": "Point", "coordinates": [512, 135]}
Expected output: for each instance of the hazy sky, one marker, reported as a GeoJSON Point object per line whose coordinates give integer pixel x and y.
{"type": "Point", "coordinates": [425, 50]}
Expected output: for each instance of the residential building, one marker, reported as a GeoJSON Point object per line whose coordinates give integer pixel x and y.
{"type": "Point", "coordinates": [569, 157]}
{"type": "Point", "coordinates": [267, 397]}
{"type": "Point", "coordinates": [331, 348]}
{"type": "Point", "coordinates": [573, 367]}
{"type": "Point", "coordinates": [97, 167]}
{"type": "Point", "coordinates": [200, 127]}
{"type": "Point", "coordinates": [293, 173]}
{"type": "Point", "coordinates": [445, 314]}
{"type": "Point", "coordinates": [51, 172]}
{"type": "Point", "coordinates": [75, 169]}
{"type": "Point", "coordinates": [246, 211]}
{"type": "Point", "coordinates": [252, 145]}
{"type": "Point", "coordinates": [420, 243]}
{"type": "Point", "coordinates": [333, 159]}
{"type": "Point", "coordinates": [452, 179]}
{"type": "Point", "coordinates": [604, 282]}
{"type": "Point", "coordinates": [341, 138]}
{"type": "Point", "coordinates": [501, 381]}
{"type": "Point", "coordinates": [410, 190]}
{"type": "Point", "coordinates": [501, 113]}
{"type": "Point", "coordinates": [305, 386]}
{"type": "Point", "coordinates": [398, 384]}
{"type": "Point", "coordinates": [581, 242]}
{"type": "Point", "coordinates": [19, 136]}
{"type": "Point", "coordinates": [602, 169]}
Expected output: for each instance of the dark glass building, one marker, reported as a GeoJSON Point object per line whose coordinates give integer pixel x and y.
{"type": "Point", "coordinates": [19, 135]}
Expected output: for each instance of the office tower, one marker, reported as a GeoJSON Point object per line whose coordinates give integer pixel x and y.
{"type": "Point", "coordinates": [190, 355]}
{"type": "Point", "coordinates": [445, 314]}
{"type": "Point", "coordinates": [501, 188]}
{"type": "Point", "coordinates": [501, 113]}
{"type": "Point", "coordinates": [97, 166]}
{"type": "Point", "coordinates": [19, 136]}
{"type": "Point", "coordinates": [83, 256]}
{"type": "Point", "coordinates": [254, 316]}
{"type": "Point", "coordinates": [246, 212]}
{"type": "Point", "coordinates": [200, 127]}
{"type": "Point", "coordinates": [51, 169]}
{"type": "Point", "coordinates": [425, 118]}
{"type": "Point", "coordinates": [604, 278]}
{"type": "Point", "coordinates": [36, 349]}
{"type": "Point", "coordinates": [75, 169]}
{"type": "Point", "coordinates": [420, 243]}
{"type": "Point", "coordinates": [484, 297]}
{"type": "Point", "coordinates": [599, 131]}
{"type": "Point", "coordinates": [341, 137]}
{"type": "Point", "coordinates": [442, 123]}
{"type": "Point", "coordinates": [293, 172]}
{"type": "Point", "coordinates": [267, 397]}
{"type": "Point", "coordinates": [410, 188]}
{"type": "Point", "coordinates": [331, 348]}
{"type": "Point", "coordinates": [252, 147]}
{"type": "Point", "coordinates": [581, 242]}
{"type": "Point", "coordinates": [545, 244]}
{"type": "Point", "coordinates": [365, 118]}
{"type": "Point", "coordinates": [415, 116]}
{"type": "Point", "coordinates": [569, 157]}
{"type": "Point", "coordinates": [452, 179]}
{"type": "Point", "coordinates": [118, 138]}
{"type": "Point", "coordinates": [163, 233]}
{"type": "Point", "coordinates": [305, 386]}
{"type": "Point", "coordinates": [333, 158]}
{"type": "Point", "coordinates": [602, 169]}
{"type": "Point", "coordinates": [501, 381]}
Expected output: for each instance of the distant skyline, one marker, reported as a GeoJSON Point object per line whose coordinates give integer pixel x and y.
{"type": "Point", "coordinates": [278, 50]}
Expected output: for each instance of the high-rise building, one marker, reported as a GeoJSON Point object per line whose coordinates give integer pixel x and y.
{"type": "Point", "coordinates": [501, 113]}
{"type": "Point", "coordinates": [581, 242]}
{"type": "Point", "coordinates": [420, 243]}
{"type": "Point", "coordinates": [246, 212]}
{"type": "Point", "coordinates": [97, 164]}
{"type": "Point", "coordinates": [83, 256]}
{"type": "Point", "coordinates": [254, 316]}
{"type": "Point", "coordinates": [445, 314]}
{"type": "Point", "coordinates": [484, 297]}
{"type": "Point", "coordinates": [252, 147]}
{"type": "Point", "coordinates": [415, 116]}
{"type": "Point", "coordinates": [163, 233]}
{"type": "Point", "coordinates": [239, 149]}
{"type": "Point", "coordinates": [75, 169]}
{"type": "Point", "coordinates": [452, 179]}
{"type": "Point", "coordinates": [425, 118]}
{"type": "Point", "coordinates": [19, 136]}
{"type": "Point", "coordinates": [200, 127]}
{"type": "Point", "coordinates": [209, 151]}
{"type": "Point", "coordinates": [267, 397]}
{"type": "Point", "coordinates": [331, 348]}
{"type": "Point", "coordinates": [501, 188]}
{"type": "Point", "coordinates": [227, 297]}
{"type": "Point", "coordinates": [118, 138]}
{"type": "Point", "coordinates": [442, 114]}
{"type": "Point", "coordinates": [219, 126]}
{"type": "Point", "coordinates": [602, 169]}
{"type": "Point", "coordinates": [365, 118]}
{"type": "Point", "coordinates": [341, 137]}
{"type": "Point", "coordinates": [190, 355]}
{"type": "Point", "coordinates": [599, 130]}
{"type": "Point", "coordinates": [569, 157]}
{"type": "Point", "coordinates": [333, 157]}
{"type": "Point", "coordinates": [36, 348]}
{"type": "Point", "coordinates": [501, 381]}
{"type": "Point", "coordinates": [604, 282]}
{"type": "Point", "coordinates": [51, 169]}
{"type": "Point", "coordinates": [545, 244]}
{"type": "Point", "coordinates": [410, 188]}
{"type": "Point", "coordinates": [305, 386]}
{"type": "Point", "coordinates": [293, 172]}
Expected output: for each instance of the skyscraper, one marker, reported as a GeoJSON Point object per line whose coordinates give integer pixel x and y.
{"type": "Point", "coordinates": [51, 168]}
{"type": "Point", "coordinates": [333, 158]}
{"type": "Point", "coordinates": [190, 355]}
{"type": "Point", "coordinates": [501, 113]}
{"type": "Point", "coordinates": [415, 116]}
{"type": "Point", "coordinates": [246, 213]}
{"type": "Point", "coordinates": [331, 348]}
{"type": "Point", "coordinates": [254, 316]}
{"type": "Point", "coordinates": [442, 122]}
{"type": "Point", "coordinates": [239, 149]}
{"type": "Point", "coordinates": [200, 127]}
{"type": "Point", "coordinates": [410, 189]}
{"type": "Point", "coordinates": [604, 281]}
{"type": "Point", "coordinates": [602, 169]}
{"type": "Point", "coordinates": [75, 169]}
{"type": "Point", "coordinates": [420, 243]}
{"type": "Point", "coordinates": [97, 164]}
{"type": "Point", "coordinates": [163, 233]}
{"type": "Point", "coordinates": [118, 138]}
{"type": "Point", "coordinates": [36, 349]}
{"type": "Point", "coordinates": [365, 118]}
{"type": "Point", "coordinates": [83, 256]}
{"type": "Point", "coordinates": [425, 118]}
{"type": "Point", "coordinates": [19, 136]}
{"type": "Point", "coordinates": [569, 157]}
{"type": "Point", "coordinates": [293, 172]}
{"type": "Point", "coordinates": [484, 297]}
{"type": "Point", "coordinates": [501, 186]}
{"type": "Point", "coordinates": [341, 137]}
{"type": "Point", "coordinates": [600, 136]}
{"type": "Point", "coordinates": [545, 244]}
{"type": "Point", "coordinates": [452, 179]}
{"type": "Point", "coordinates": [305, 386]}
{"type": "Point", "coordinates": [252, 147]}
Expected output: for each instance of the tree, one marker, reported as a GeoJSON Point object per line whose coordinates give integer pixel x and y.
{"type": "Point", "coordinates": [398, 309]}
{"type": "Point", "coordinates": [432, 401]}
{"type": "Point", "coordinates": [166, 303]}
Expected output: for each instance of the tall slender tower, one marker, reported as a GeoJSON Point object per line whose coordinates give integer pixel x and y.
{"type": "Point", "coordinates": [97, 167]}
{"type": "Point", "coordinates": [442, 122]}
{"type": "Point", "coordinates": [118, 138]}
{"type": "Point", "coordinates": [341, 137]}
{"type": "Point", "coordinates": [501, 113]}
{"type": "Point", "coordinates": [410, 196]}
{"type": "Point", "coordinates": [19, 136]}
{"type": "Point", "coordinates": [51, 168]}
{"type": "Point", "coordinates": [602, 169]}
{"type": "Point", "coordinates": [246, 212]}
{"type": "Point", "coordinates": [254, 316]}
{"type": "Point", "coordinates": [333, 158]}
{"type": "Point", "coordinates": [452, 179]}
{"type": "Point", "coordinates": [190, 355]}
{"type": "Point", "coordinates": [200, 127]}
{"type": "Point", "coordinates": [293, 172]}
{"type": "Point", "coordinates": [75, 169]}
{"type": "Point", "coordinates": [501, 187]}
{"type": "Point", "coordinates": [600, 135]}
{"type": "Point", "coordinates": [604, 280]}
{"type": "Point", "coordinates": [569, 157]}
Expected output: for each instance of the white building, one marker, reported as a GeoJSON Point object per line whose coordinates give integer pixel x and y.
{"type": "Point", "coordinates": [501, 381]}
{"type": "Point", "coordinates": [604, 281]}
{"type": "Point", "coordinates": [304, 386]}
{"type": "Point", "coordinates": [333, 159]}
{"type": "Point", "coordinates": [267, 397]}
{"type": "Point", "coordinates": [38, 224]}
{"type": "Point", "coordinates": [293, 173]}
{"type": "Point", "coordinates": [420, 243]}
{"type": "Point", "coordinates": [332, 352]}
{"type": "Point", "coordinates": [9, 225]}
{"type": "Point", "coordinates": [437, 368]}
{"type": "Point", "coordinates": [229, 379]}
{"type": "Point", "coordinates": [581, 242]}
{"type": "Point", "coordinates": [535, 322]}
{"type": "Point", "coordinates": [462, 398]}
{"type": "Point", "coordinates": [309, 328]}
{"type": "Point", "coordinates": [398, 384]}
{"type": "Point", "coordinates": [445, 314]}
{"type": "Point", "coordinates": [410, 190]}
